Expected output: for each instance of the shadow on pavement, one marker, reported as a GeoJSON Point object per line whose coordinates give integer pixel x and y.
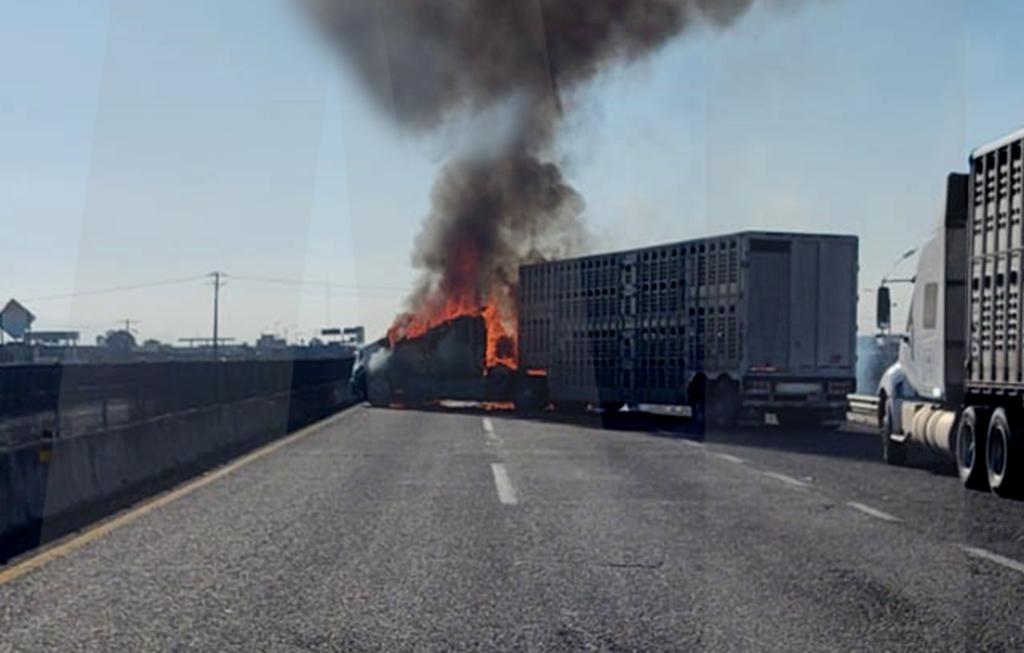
{"type": "Point", "coordinates": [848, 442]}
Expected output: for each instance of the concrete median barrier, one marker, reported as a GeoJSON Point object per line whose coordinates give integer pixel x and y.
{"type": "Point", "coordinates": [52, 486]}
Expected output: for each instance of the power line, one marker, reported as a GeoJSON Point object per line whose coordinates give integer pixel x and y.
{"type": "Point", "coordinates": [318, 284]}
{"type": "Point", "coordinates": [198, 277]}
{"type": "Point", "coordinates": [115, 289]}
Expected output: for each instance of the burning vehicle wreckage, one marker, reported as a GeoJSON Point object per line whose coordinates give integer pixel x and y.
{"type": "Point", "coordinates": [479, 325]}
{"type": "Point", "coordinates": [460, 359]}
{"type": "Point", "coordinates": [694, 324]}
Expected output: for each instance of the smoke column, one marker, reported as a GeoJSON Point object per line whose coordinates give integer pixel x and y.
{"type": "Point", "coordinates": [426, 61]}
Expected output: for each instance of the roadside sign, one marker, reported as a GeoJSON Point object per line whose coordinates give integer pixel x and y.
{"type": "Point", "coordinates": [15, 319]}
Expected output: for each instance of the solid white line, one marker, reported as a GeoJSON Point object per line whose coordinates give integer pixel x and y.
{"type": "Point", "coordinates": [1009, 563]}
{"type": "Point", "coordinates": [730, 458]}
{"type": "Point", "coordinates": [488, 425]}
{"type": "Point", "coordinates": [506, 493]}
{"type": "Point", "coordinates": [692, 443]}
{"type": "Point", "coordinates": [874, 512]}
{"type": "Point", "coordinates": [788, 480]}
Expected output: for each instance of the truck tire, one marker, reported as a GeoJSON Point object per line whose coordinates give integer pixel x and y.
{"type": "Point", "coordinates": [893, 453]}
{"type": "Point", "coordinates": [378, 393]}
{"type": "Point", "coordinates": [970, 447]}
{"type": "Point", "coordinates": [531, 396]}
{"type": "Point", "coordinates": [723, 405]}
{"type": "Point", "coordinates": [1002, 454]}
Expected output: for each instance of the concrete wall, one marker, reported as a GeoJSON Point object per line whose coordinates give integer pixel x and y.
{"type": "Point", "coordinates": [54, 486]}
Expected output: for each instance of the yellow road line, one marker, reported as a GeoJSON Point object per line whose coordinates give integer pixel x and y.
{"type": "Point", "coordinates": [95, 533]}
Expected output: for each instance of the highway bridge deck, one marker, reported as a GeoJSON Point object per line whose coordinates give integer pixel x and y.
{"type": "Point", "coordinates": [400, 530]}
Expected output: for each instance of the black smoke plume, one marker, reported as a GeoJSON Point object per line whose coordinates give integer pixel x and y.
{"type": "Point", "coordinates": [425, 61]}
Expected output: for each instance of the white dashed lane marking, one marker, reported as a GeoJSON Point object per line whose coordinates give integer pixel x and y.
{"type": "Point", "coordinates": [984, 554]}
{"type": "Point", "coordinates": [728, 457]}
{"type": "Point", "coordinates": [788, 480]}
{"type": "Point", "coordinates": [489, 433]}
{"type": "Point", "coordinates": [506, 491]}
{"type": "Point", "coordinates": [873, 512]}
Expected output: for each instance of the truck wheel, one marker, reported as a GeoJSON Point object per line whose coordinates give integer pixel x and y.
{"type": "Point", "coordinates": [723, 405]}
{"type": "Point", "coordinates": [531, 396]}
{"type": "Point", "coordinates": [970, 447]}
{"type": "Point", "coordinates": [378, 393]}
{"type": "Point", "coordinates": [1002, 456]}
{"type": "Point", "coordinates": [893, 453]}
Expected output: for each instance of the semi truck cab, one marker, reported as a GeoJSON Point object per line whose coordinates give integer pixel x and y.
{"type": "Point", "coordinates": [958, 386]}
{"type": "Point", "coordinates": [918, 395]}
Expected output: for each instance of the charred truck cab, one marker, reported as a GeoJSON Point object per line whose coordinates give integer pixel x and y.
{"type": "Point", "coordinates": [446, 362]}
{"type": "Point", "coordinates": [958, 386]}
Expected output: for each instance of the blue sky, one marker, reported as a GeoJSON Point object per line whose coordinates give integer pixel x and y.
{"type": "Point", "coordinates": [146, 140]}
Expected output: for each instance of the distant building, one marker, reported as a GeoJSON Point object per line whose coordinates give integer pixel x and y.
{"type": "Point", "coordinates": [53, 338]}
{"type": "Point", "coordinates": [354, 335]}
{"type": "Point", "coordinates": [270, 341]}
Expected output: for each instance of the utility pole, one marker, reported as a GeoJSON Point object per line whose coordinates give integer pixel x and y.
{"type": "Point", "coordinates": [128, 322]}
{"type": "Point", "coordinates": [218, 281]}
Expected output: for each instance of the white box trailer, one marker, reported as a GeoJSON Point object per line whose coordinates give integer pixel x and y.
{"type": "Point", "coordinates": [753, 325]}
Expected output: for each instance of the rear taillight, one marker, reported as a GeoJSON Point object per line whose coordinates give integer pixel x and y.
{"type": "Point", "coordinates": [840, 387]}
{"type": "Point", "coordinates": [759, 387]}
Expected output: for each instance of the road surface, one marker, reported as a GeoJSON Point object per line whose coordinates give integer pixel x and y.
{"type": "Point", "coordinates": [411, 530]}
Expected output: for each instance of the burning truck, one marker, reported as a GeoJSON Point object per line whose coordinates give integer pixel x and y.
{"type": "Point", "coordinates": [758, 327]}
{"type": "Point", "coordinates": [500, 204]}
{"type": "Point", "coordinates": [449, 361]}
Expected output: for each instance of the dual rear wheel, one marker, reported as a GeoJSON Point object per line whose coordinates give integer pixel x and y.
{"type": "Point", "coordinates": [989, 450]}
{"type": "Point", "coordinates": [715, 403]}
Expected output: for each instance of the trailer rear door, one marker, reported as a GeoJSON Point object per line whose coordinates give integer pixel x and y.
{"type": "Point", "coordinates": [801, 304]}
{"type": "Point", "coordinates": [837, 303]}
{"type": "Point", "coordinates": [804, 305]}
{"type": "Point", "coordinates": [768, 295]}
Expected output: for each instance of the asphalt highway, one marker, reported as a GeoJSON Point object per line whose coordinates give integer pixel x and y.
{"type": "Point", "coordinates": [400, 530]}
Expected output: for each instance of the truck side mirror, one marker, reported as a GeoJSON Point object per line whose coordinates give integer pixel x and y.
{"type": "Point", "coordinates": [883, 308]}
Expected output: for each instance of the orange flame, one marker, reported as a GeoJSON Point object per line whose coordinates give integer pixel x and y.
{"type": "Point", "coordinates": [501, 338]}
{"type": "Point", "coordinates": [458, 296]}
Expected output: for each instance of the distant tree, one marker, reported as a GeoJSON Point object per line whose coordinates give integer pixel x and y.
{"type": "Point", "coordinates": [120, 340]}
